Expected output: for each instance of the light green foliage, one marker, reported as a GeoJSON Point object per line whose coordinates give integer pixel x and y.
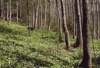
{"type": "Point", "coordinates": [40, 50]}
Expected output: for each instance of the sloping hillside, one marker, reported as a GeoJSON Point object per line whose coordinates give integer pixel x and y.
{"type": "Point", "coordinates": [40, 50]}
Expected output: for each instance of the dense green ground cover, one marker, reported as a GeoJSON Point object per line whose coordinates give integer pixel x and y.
{"type": "Point", "coordinates": [40, 50]}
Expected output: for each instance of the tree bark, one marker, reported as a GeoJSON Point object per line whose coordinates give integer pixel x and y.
{"type": "Point", "coordinates": [59, 21]}
{"type": "Point", "coordinates": [95, 18]}
{"type": "Point", "coordinates": [65, 25]}
{"type": "Point", "coordinates": [2, 9]}
{"type": "Point", "coordinates": [86, 62]}
{"type": "Point", "coordinates": [36, 23]}
{"type": "Point", "coordinates": [49, 25]}
{"type": "Point", "coordinates": [33, 14]}
{"type": "Point", "coordinates": [45, 14]}
{"type": "Point", "coordinates": [10, 13]}
{"type": "Point", "coordinates": [98, 10]}
{"type": "Point", "coordinates": [79, 27]}
{"type": "Point", "coordinates": [28, 16]}
{"type": "Point", "coordinates": [7, 11]}
{"type": "Point", "coordinates": [17, 12]}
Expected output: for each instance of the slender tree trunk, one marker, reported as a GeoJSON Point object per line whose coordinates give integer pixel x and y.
{"type": "Point", "coordinates": [86, 62]}
{"type": "Point", "coordinates": [79, 30]}
{"type": "Point", "coordinates": [17, 11]}
{"type": "Point", "coordinates": [45, 14]}
{"type": "Point", "coordinates": [36, 24]}
{"type": "Point", "coordinates": [20, 9]}
{"type": "Point", "coordinates": [95, 18]}
{"type": "Point", "coordinates": [65, 25]}
{"type": "Point", "coordinates": [10, 13]}
{"type": "Point", "coordinates": [73, 18]}
{"type": "Point", "coordinates": [2, 7]}
{"type": "Point", "coordinates": [98, 10]}
{"type": "Point", "coordinates": [49, 25]}
{"type": "Point", "coordinates": [28, 16]}
{"type": "Point", "coordinates": [59, 20]}
{"type": "Point", "coordinates": [7, 11]}
{"type": "Point", "coordinates": [20, 12]}
{"type": "Point", "coordinates": [41, 15]}
{"type": "Point", "coordinates": [33, 14]}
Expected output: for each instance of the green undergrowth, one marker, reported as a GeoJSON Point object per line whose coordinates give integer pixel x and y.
{"type": "Point", "coordinates": [40, 50]}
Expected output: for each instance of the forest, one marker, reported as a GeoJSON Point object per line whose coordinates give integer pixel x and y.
{"type": "Point", "coordinates": [49, 33]}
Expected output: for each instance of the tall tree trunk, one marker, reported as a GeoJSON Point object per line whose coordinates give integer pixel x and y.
{"type": "Point", "coordinates": [65, 25]}
{"type": "Point", "coordinates": [59, 20]}
{"type": "Point", "coordinates": [79, 30]}
{"type": "Point", "coordinates": [17, 12]}
{"type": "Point", "coordinates": [45, 14]}
{"type": "Point", "coordinates": [20, 9]}
{"type": "Point", "coordinates": [41, 15]}
{"type": "Point", "coordinates": [20, 12]}
{"type": "Point", "coordinates": [73, 18]}
{"type": "Point", "coordinates": [98, 10]}
{"type": "Point", "coordinates": [95, 18]}
{"type": "Point", "coordinates": [2, 8]}
{"type": "Point", "coordinates": [7, 11]}
{"type": "Point", "coordinates": [33, 14]}
{"type": "Point", "coordinates": [86, 62]}
{"type": "Point", "coordinates": [36, 23]}
{"type": "Point", "coordinates": [10, 13]}
{"type": "Point", "coordinates": [49, 25]}
{"type": "Point", "coordinates": [28, 16]}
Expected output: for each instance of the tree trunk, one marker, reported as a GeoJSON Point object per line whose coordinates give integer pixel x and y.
{"type": "Point", "coordinates": [20, 12]}
{"type": "Point", "coordinates": [98, 10]}
{"type": "Point", "coordinates": [33, 14]}
{"type": "Point", "coordinates": [45, 14]}
{"type": "Point", "coordinates": [36, 23]}
{"type": "Point", "coordinates": [86, 62]}
{"type": "Point", "coordinates": [65, 25]}
{"type": "Point", "coordinates": [73, 18]}
{"type": "Point", "coordinates": [10, 13]}
{"type": "Point", "coordinates": [79, 28]}
{"type": "Point", "coordinates": [2, 8]}
{"type": "Point", "coordinates": [41, 15]}
{"type": "Point", "coordinates": [95, 18]}
{"type": "Point", "coordinates": [59, 20]}
{"type": "Point", "coordinates": [20, 9]}
{"type": "Point", "coordinates": [49, 15]}
{"type": "Point", "coordinates": [7, 11]}
{"type": "Point", "coordinates": [28, 16]}
{"type": "Point", "coordinates": [17, 11]}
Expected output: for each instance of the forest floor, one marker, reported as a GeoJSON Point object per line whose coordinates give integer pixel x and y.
{"type": "Point", "coordinates": [40, 50]}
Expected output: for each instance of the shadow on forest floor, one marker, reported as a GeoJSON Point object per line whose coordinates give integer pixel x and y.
{"type": "Point", "coordinates": [21, 57]}
{"type": "Point", "coordinates": [96, 61]}
{"type": "Point", "coordinates": [35, 61]}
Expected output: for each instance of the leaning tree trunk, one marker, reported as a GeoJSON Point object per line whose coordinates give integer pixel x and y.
{"type": "Point", "coordinates": [65, 25]}
{"type": "Point", "coordinates": [86, 62]}
{"type": "Point", "coordinates": [79, 28]}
